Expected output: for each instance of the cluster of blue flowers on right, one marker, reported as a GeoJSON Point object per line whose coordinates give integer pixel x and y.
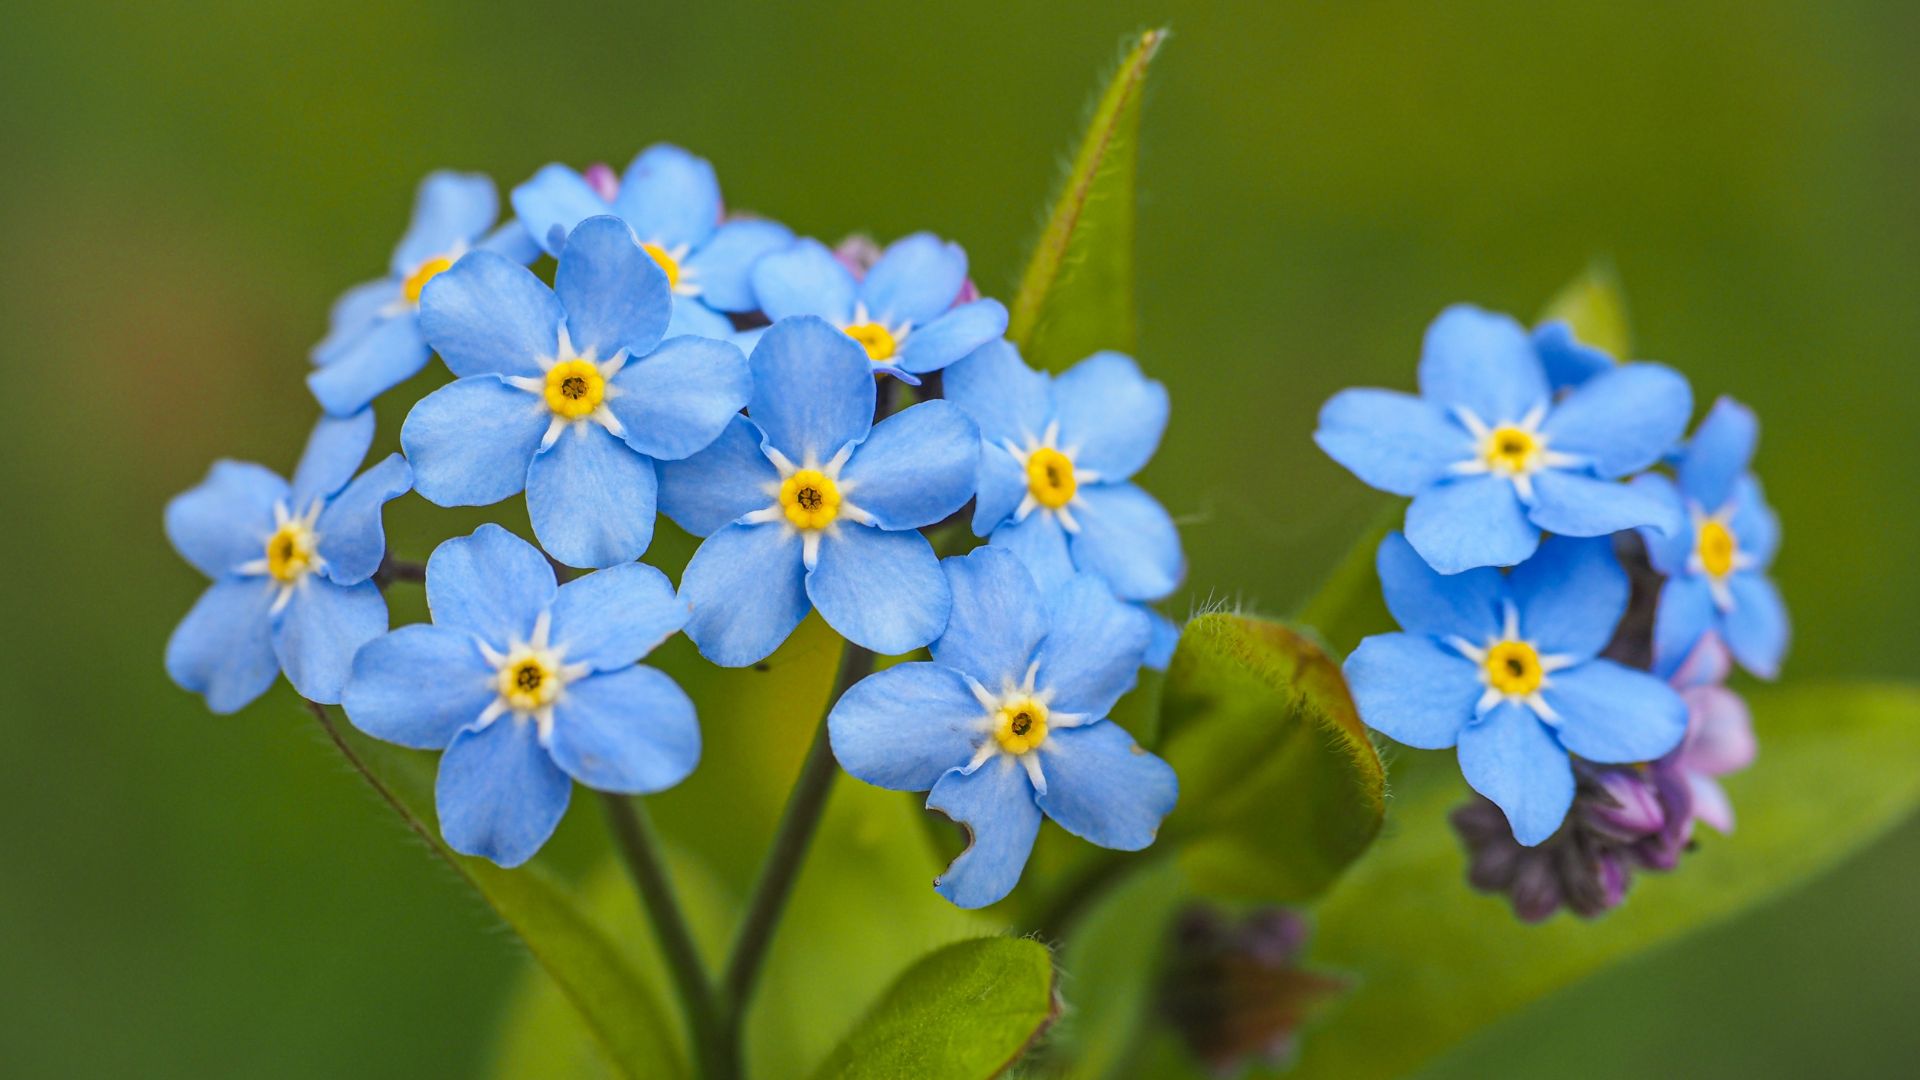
{"type": "Point", "coordinates": [1540, 533]}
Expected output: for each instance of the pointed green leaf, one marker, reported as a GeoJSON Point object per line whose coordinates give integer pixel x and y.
{"type": "Point", "coordinates": [1596, 307]}
{"type": "Point", "coordinates": [1076, 296]}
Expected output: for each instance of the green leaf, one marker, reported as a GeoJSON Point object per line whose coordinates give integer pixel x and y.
{"type": "Point", "coordinates": [965, 1011]}
{"type": "Point", "coordinates": [1594, 305]}
{"type": "Point", "coordinates": [1281, 785]}
{"type": "Point", "coordinates": [1076, 296]}
{"type": "Point", "coordinates": [1437, 961]}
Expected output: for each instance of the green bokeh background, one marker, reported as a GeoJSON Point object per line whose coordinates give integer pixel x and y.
{"type": "Point", "coordinates": [187, 186]}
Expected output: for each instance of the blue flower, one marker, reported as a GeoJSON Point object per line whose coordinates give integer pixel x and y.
{"type": "Point", "coordinates": [291, 566]}
{"type": "Point", "coordinates": [1504, 667]}
{"type": "Point", "coordinates": [1009, 722]}
{"type": "Point", "coordinates": [373, 341]}
{"type": "Point", "coordinates": [671, 200]}
{"type": "Point", "coordinates": [528, 687]}
{"type": "Point", "coordinates": [1491, 459]}
{"type": "Point", "coordinates": [806, 502]}
{"type": "Point", "coordinates": [1568, 361]}
{"type": "Point", "coordinates": [564, 393]}
{"type": "Point", "coordinates": [1055, 461]}
{"type": "Point", "coordinates": [1716, 562]}
{"type": "Point", "coordinates": [904, 312]}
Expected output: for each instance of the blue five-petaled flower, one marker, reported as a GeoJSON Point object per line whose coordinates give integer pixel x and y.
{"type": "Point", "coordinates": [373, 341]}
{"type": "Point", "coordinates": [1491, 459]}
{"type": "Point", "coordinates": [291, 566]}
{"type": "Point", "coordinates": [1008, 722]}
{"type": "Point", "coordinates": [1506, 668]}
{"type": "Point", "coordinates": [806, 502]}
{"type": "Point", "coordinates": [528, 687]}
{"type": "Point", "coordinates": [567, 392]}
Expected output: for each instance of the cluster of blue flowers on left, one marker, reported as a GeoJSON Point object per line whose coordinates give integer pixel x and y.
{"type": "Point", "coordinates": [746, 383]}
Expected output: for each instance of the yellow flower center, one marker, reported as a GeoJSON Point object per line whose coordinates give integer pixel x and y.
{"type": "Point", "coordinates": [1050, 478]}
{"type": "Point", "coordinates": [1022, 726]}
{"type": "Point", "coordinates": [1717, 548]}
{"type": "Point", "coordinates": [667, 263]}
{"type": "Point", "coordinates": [1511, 450]}
{"type": "Point", "coordinates": [1513, 668]}
{"type": "Point", "coordinates": [575, 388]}
{"type": "Point", "coordinates": [527, 682]}
{"type": "Point", "coordinates": [290, 553]}
{"type": "Point", "coordinates": [422, 274]}
{"type": "Point", "coordinates": [810, 499]}
{"type": "Point", "coordinates": [876, 339]}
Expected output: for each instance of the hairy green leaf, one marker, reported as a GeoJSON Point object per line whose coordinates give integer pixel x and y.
{"type": "Point", "coordinates": [1596, 307]}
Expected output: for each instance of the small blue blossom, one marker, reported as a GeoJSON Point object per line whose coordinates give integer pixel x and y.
{"type": "Point", "coordinates": [528, 687]}
{"type": "Point", "coordinates": [1504, 666]}
{"type": "Point", "coordinates": [1716, 562]}
{"type": "Point", "coordinates": [291, 565]}
{"type": "Point", "coordinates": [805, 503]}
{"type": "Point", "coordinates": [1009, 722]}
{"type": "Point", "coordinates": [906, 311]}
{"type": "Point", "coordinates": [373, 341]}
{"type": "Point", "coordinates": [1491, 459]}
{"type": "Point", "coordinates": [568, 393]}
{"type": "Point", "coordinates": [671, 200]}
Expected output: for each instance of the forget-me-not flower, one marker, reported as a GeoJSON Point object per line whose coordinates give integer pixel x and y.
{"type": "Point", "coordinates": [806, 502]}
{"type": "Point", "coordinates": [671, 200]}
{"type": "Point", "coordinates": [567, 392]}
{"type": "Point", "coordinates": [373, 341]}
{"type": "Point", "coordinates": [528, 687]}
{"type": "Point", "coordinates": [1491, 459]}
{"type": "Point", "coordinates": [1504, 666]}
{"type": "Point", "coordinates": [906, 312]}
{"type": "Point", "coordinates": [1716, 561]}
{"type": "Point", "coordinates": [291, 565]}
{"type": "Point", "coordinates": [1009, 722]}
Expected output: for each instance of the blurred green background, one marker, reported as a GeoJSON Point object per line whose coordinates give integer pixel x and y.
{"type": "Point", "coordinates": [187, 187]}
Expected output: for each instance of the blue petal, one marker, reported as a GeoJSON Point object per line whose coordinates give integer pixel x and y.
{"type": "Point", "coordinates": [1412, 689]}
{"type": "Point", "coordinates": [615, 295]}
{"type": "Point", "coordinates": [1424, 601]}
{"type": "Point", "coordinates": [997, 620]}
{"type": "Point", "coordinates": [729, 478]}
{"type": "Point", "coordinates": [353, 315]}
{"type": "Point", "coordinates": [1093, 653]}
{"type": "Point", "coordinates": [881, 590]}
{"type": "Point", "coordinates": [1470, 522]}
{"type": "Point", "coordinates": [679, 399]}
{"type": "Point", "coordinates": [812, 389]}
{"type": "Point", "coordinates": [1111, 416]}
{"type": "Point", "coordinates": [334, 451]}
{"type": "Point", "coordinates": [321, 628]}
{"type": "Point", "coordinates": [511, 240]}
{"type": "Point", "coordinates": [902, 728]}
{"type": "Point", "coordinates": [225, 521]}
{"type": "Point", "coordinates": [1719, 452]}
{"type": "Point", "coordinates": [916, 279]}
{"type": "Point", "coordinates": [1041, 544]}
{"type": "Point", "coordinates": [390, 352]}
{"type": "Point", "coordinates": [1575, 505]}
{"type": "Point", "coordinates": [1127, 538]}
{"type": "Point", "coordinates": [746, 588]}
{"type": "Point", "coordinates": [669, 196]}
{"type": "Point", "coordinates": [418, 686]}
{"type": "Point", "coordinates": [916, 468]}
{"type": "Point", "coordinates": [1002, 484]}
{"type": "Point", "coordinates": [723, 266]}
{"type": "Point", "coordinates": [1509, 757]}
{"type": "Point", "coordinates": [552, 202]}
{"type": "Point", "coordinates": [1615, 715]}
{"type": "Point", "coordinates": [1684, 615]}
{"type": "Point", "coordinates": [489, 315]}
{"type": "Point", "coordinates": [996, 805]}
{"type": "Point", "coordinates": [1623, 419]}
{"type": "Point", "coordinates": [591, 498]}
{"type": "Point", "coordinates": [1482, 362]}
{"type": "Point", "coordinates": [1392, 441]}
{"type": "Point", "coordinates": [1165, 639]}
{"type": "Point", "coordinates": [1757, 630]}
{"type": "Point", "coordinates": [352, 540]}
{"type": "Point", "coordinates": [223, 649]}
{"type": "Point", "coordinates": [804, 279]}
{"type": "Point", "coordinates": [491, 584]}
{"type": "Point", "coordinates": [451, 209]}
{"type": "Point", "coordinates": [1103, 788]}
{"type": "Point", "coordinates": [470, 441]}
{"type": "Point", "coordinates": [691, 318]}
{"type": "Point", "coordinates": [1571, 596]}
{"type": "Point", "coordinates": [1009, 400]}
{"type": "Point", "coordinates": [630, 731]}
{"type": "Point", "coordinates": [1668, 551]}
{"type": "Point", "coordinates": [611, 618]}
{"type": "Point", "coordinates": [952, 336]}
{"type": "Point", "coordinates": [1754, 525]}
{"type": "Point", "coordinates": [1567, 361]}
{"type": "Point", "coordinates": [499, 794]}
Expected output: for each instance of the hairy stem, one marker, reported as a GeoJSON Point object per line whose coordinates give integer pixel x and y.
{"type": "Point", "coordinates": [392, 570]}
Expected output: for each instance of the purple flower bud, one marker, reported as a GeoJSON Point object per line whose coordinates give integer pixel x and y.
{"type": "Point", "coordinates": [858, 253]}
{"type": "Point", "coordinates": [1625, 805]}
{"type": "Point", "coordinates": [1234, 990]}
{"type": "Point", "coordinates": [603, 180]}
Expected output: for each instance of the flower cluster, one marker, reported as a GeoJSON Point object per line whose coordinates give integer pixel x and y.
{"type": "Point", "coordinates": [748, 384]}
